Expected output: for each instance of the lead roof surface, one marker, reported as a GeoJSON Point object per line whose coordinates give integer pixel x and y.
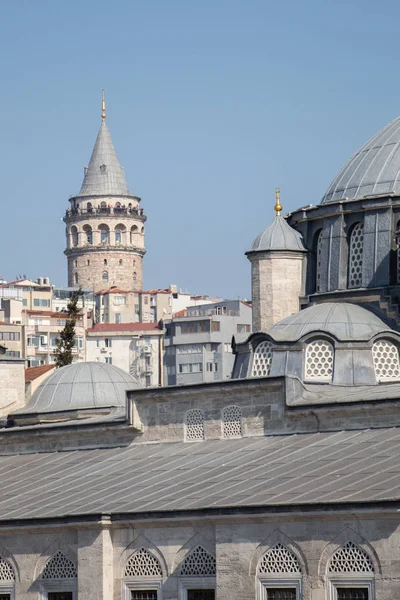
{"type": "Point", "coordinates": [289, 470]}
{"type": "Point", "coordinates": [374, 169]}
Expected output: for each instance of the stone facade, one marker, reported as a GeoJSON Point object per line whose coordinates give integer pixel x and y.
{"type": "Point", "coordinates": [12, 384]}
{"type": "Point", "coordinates": [276, 282]}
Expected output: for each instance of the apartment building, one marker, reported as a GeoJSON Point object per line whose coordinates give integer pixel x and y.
{"type": "Point", "coordinates": [62, 295]}
{"type": "Point", "coordinates": [34, 295]}
{"type": "Point", "coordinates": [198, 343]}
{"type": "Point", "coordinates": [11, 339]}
{"type": "Point", "coordinates": [137, 348]}
{"type": "Point", "coordinates": [41, 329]}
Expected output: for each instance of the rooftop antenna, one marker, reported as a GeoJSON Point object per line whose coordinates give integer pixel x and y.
{"type": "Point", "coordinates": [278, 206]}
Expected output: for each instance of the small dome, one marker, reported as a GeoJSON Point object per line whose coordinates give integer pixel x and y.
{"type": "Point", "coordinates": [278, 236]}
{"type": "Point", "coordinates": [374, 169]}
{"type": "Point", "coordinates": [343, 320]}
{"type": "Point", "coordinates": [82, 385]}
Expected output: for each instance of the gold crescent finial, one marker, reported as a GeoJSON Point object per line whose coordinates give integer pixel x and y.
{"type": "Point", "coordinates": [103, 105]}
{"type": "Point", "coordinates": [278, 205]}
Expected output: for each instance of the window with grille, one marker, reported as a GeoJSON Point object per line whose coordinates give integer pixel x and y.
{"type": "Point", "coordinates": [59, 567]}
{"type": "Point", "coordinates": [262, 359]}
{"type": "Point", "coordinates": [199, 563]}
{"type": "Point", "coordinates": [201, 594]}
{"type": "Point", "coordinates": [350, 559]}
{"type": "Point", "coordinates": [386, 361]}
{"type": "Point", "coordinates": [356, 256]}
{"type": "Point", "coordinates": [352, 593]}
{"type": "Point", "coordinates": [318, 258]}
{"type": "Point", "coordinates": [5, 596]}
{"type": "Point", "coordinates": [195, 424]}
{"type": "Point", "coordinates": [143, 564]}
{"type": "Point", "coordinates": [6, 570]}
{"type": "Point", "coordinates": [281, 593]}
{"type": "Point", "coordinates": [232, 422]}
{"type": "Point", "coordinates": [319, 361]}
{"type": "Point", "coordinates": [279, 559]}
{"type": "Point", "coordinates": [144, 594]}
{"type": "Point", "coordinates": [60, 596]}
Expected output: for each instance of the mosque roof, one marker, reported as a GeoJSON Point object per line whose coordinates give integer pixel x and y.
{"type": "Point", "coordinates": [343, 320]}
{"type": "Point", "coordinates": [78, 386]}
{"type": "Point", "coordinates": [105, 174]}
{"type": "Point", "coordinates": [278, 236]}
{"type": "Point", "coordinates": [341, 467]}
{"type": "Point", "coordinates": [373, 170]}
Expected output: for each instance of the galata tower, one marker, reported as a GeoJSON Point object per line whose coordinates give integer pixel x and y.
{"type": "Point", "coordinates": [105, 224]}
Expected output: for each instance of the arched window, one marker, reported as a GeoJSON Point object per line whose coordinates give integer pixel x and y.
{"type": "Point", "coordinates": [199, 563]}
{"type": "Point", "coordinates": [143, 564]}
{"type": "Point", "coordinates": [351, 574]}
{"type": "Point", "coordinates": [356, 243]}
{"type": "Point", "coordinates": [134, 232]}
{"type": "Point", "coordinates": [231, 422]}
{"type": "Point", "coordinates": [262, 359]}
{"type": "Point", "coordinates": [76, 278]}
{"type": "Point", "coordinates": [104, 234]}
{"type": "Point", "coordinates": [119, 233]}
{"type": "Point", "coordinates": [134, 277]}
{"type": "Point", "coordinates": [59, 567]}
{"type": "Point", "coordinates": [194, 424]}
{"type": "Point", "coordinates": [279, 574]}
{"type": "Point", "coordinates": [88, 262]}
{"type": "Point", "coordinates": [89, 234]}
{"type": "Point", "coordinates": [103, 204]}
{"type": "Point", "coordinates": [89, 207]}
{"type": "Point", "coordinates": [319, 361]}
{"type": "Point", "coordinates": [74, 235]}
{"type": "Point", "coordinates": [386, 361]}
{"type": "Point", "coordinates": [117, 236]}
{"type": "Point", "coordinates": [120, 262]}
{"type": "Point", "coordinates": [6, 571]}
{"type": "Point", "coordinates": [75, 263]}
{"type": "Point", "coordinates": [105, 262]}
{"type": "Point", "coordinates": [142, 230]}
{"type": "Point", "coordinates": [105, 276]}
{"type": "Point", "coordinates": [318, 262]}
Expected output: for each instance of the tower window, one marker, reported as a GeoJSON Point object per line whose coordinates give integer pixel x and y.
{"type": "Point", "coordinates": [76, 278]}
{"type": "Point", "coordinates": [104, 235]}
{"type": "Point", "coordinates": [103, 169]}
{"type": "Point", "coordinates": [120, 261]}
{"type": "Point", "coordinates": [88, 262]}
{"type": "Point", "coordinates": [105, 276]}
{"type": "Point", "coordinates": [76, 263]}
{"type": "Point", "coordinates": [89, 235]}
{"type": "Point", "coordinates": [74, 235]}
{"type": "Point", "coordinates": [117, 236]}
{"type": "Point", "coordinates": [105, 261]}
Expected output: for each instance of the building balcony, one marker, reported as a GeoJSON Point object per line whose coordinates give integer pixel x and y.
{"type": "Point", "coordinates": [77, 213]}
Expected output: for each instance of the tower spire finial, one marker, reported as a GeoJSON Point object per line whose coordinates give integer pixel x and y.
{"type": "Point", "coordinates": [278, 205]}
{"type": "Point", "coordinates": [103, 105]}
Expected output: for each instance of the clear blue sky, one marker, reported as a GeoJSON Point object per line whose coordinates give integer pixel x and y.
{"type": "Point", "coordinates": [211, 105]}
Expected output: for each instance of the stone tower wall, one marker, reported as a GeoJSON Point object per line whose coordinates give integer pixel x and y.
{"type": "Point", "coordinates": [89, 266]}
{"type": "Point", "coordinates": [90, 256]}
{"type": "Point", "coordinates": [276, 281]}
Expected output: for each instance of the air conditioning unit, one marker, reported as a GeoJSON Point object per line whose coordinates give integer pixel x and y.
{"type": "Point", "coordinates": [103, 350]}
{"type": "Point", "coordinates": [147, 349]}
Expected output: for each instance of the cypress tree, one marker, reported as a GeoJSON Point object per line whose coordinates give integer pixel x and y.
{"type": "Point", "coordinates": [66, 341]}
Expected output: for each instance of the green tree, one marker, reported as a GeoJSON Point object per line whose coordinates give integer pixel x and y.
{"type": "Point", "coordinates": [66, 341]}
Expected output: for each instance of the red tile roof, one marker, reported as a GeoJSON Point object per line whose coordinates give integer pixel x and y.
{"type": "Point", "coordinates": [109, 327]}
{"type": "Point", "coordinates": [181, 313]}
{"type": "Point", "coordinates": [32, 373]}
{"type": "Point", "coordinates": [115, 290]}
{"type": "Point", "coordinates": [49, 313]}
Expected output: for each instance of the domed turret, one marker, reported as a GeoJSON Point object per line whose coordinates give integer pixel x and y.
{"type": "Point", "coordinates": [80, 390]}
{"type": "Point", "coordinates": [276, 258]}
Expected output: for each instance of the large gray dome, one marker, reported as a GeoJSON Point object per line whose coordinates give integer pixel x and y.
{"type": "Point", "coordinates": [343, 320]}
{"type": "Point", "coordinates": [82, 385]}
{"type": "Point", "coordinates": [374, 169]}
{"type": "Point", "coordinates": [278, 236]}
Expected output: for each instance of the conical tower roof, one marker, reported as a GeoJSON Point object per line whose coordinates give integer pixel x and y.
{"type": "Point", "coordinates": [105, 174]}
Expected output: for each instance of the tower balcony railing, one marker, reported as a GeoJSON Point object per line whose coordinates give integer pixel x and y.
{"type": "Point", "coordinates": [106, 210]}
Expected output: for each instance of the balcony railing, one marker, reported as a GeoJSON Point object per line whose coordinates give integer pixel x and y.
{"type": "Point", "coordinates": [106, 210]}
